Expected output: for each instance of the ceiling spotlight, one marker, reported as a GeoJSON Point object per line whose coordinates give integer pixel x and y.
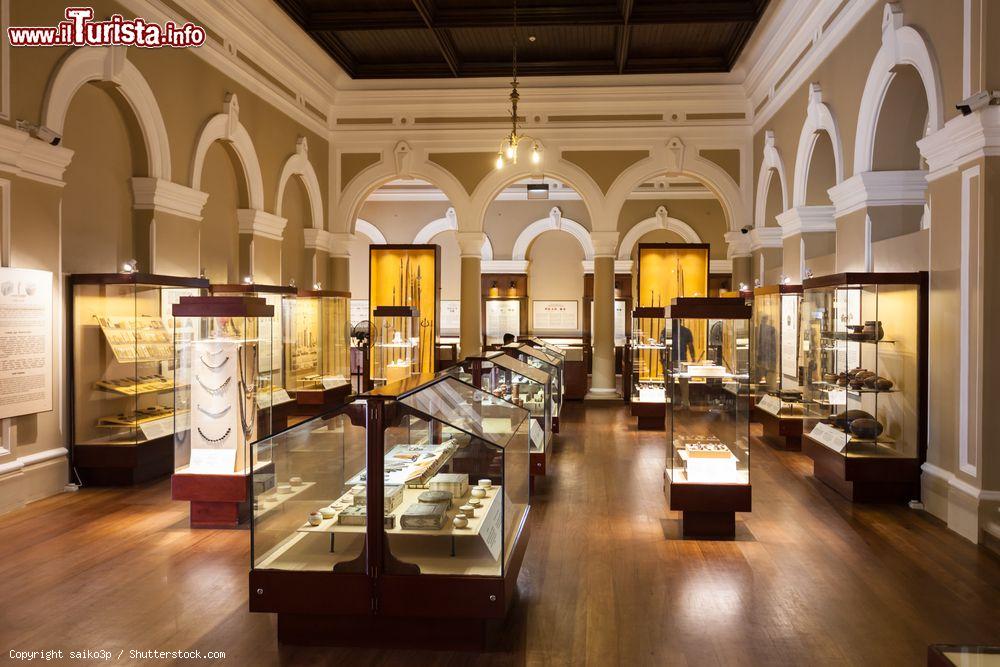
{"type": "Point", "coordinates": [531, 38]}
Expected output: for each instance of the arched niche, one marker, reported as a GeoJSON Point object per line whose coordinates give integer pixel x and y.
{"type": "Point", "coordinates": [819, 162]}
{"type": "Point", "coordinates": [447, 226]}
{"type": "Point", "coordinates": [555, 272]}
{"type": "Point", "coordinates": [554, 222]}
{"type": "Point", "coordinates": [298, 213]}
{"type": "Point", "coordinates": [772, 190]}
{"type": "Point", "coordinates": [902, 121]}
{"type": "Point", "coordinates": [657, 228]}
{"type": "Point", "coordinates": [821, 174]}
{"type": "Point", "coordinates": [365, 235]}
{"type": "Point", "coordinates": [100, 229]}
{"type": "Point", "coordinates": [219, 244]}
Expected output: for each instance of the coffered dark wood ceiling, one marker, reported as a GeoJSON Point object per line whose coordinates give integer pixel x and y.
{"type": "Point", "coordinates": [463, 38]}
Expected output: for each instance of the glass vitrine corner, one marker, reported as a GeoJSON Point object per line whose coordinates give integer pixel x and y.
{"type": "Point", "coordinates": [545, 361]}
{"type": "Point", "coordinates": [775, 364]}
{"type": "Point", "coordinates": [396, 344]}
{"type": "Point", "coordinates": [122, 374]}
{"type": "Point", "coordinates": [648, 355]}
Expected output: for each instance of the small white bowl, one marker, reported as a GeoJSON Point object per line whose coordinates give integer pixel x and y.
{"type": "Point", "coordinates": [315, 518]}
{"type": "Point", "coordinates": [486, 483]}
{"type": "Point", "coordinates": [478, 492]}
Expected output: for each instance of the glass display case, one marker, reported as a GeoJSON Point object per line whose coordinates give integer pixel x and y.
{"type": "Point", "coordinates": [526, 386]}
{"type": "Point", "coordinates": [272, 361]}
{"type": "Point", "coordinates": [548, 362]}
{"type": "Point", "coordinates": [648, 355]}
{"type": "Point", "coordinates": [122, 375]}
{"type": "Point", "coordinates": [218, 343]}
{"type": "Point", "coordinates": [396, 347]}
{"type": "Point", "coordinates": [317, 346]}
{"type": "Point", "coordinates": [775, 364]}
{"type": "Point", "coordinates": [863, 341]}
{"type": "Point", "coordinates": [445, 466]}
{"type": "Point", "coordinates": [708, 467]}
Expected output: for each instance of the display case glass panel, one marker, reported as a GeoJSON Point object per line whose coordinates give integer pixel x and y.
{"type": "Point", "coordinates": [405, 277]}
{"type": "Point", "coordinates": [547, 362]}
{"type": "Point", "coordinates": [775, 368]}
{"type": "Point", "coordinates": [453, 483]}
{"type": "Point", "coordinates": [219, 382]}
{"type": "Point", "coordinates": [709, 402]}
{"type": "Point", "coordinates": [122, 357]}
{"type": "Point", "coordinates": [649, 353]}
{"type": "Point", "coordinates": [316, 339]}
{"type": "Point", "coordinates": [862, 348]}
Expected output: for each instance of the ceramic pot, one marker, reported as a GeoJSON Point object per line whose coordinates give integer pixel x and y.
{"type": "Point", "coordinates": [486, 484]}
{"type": "Point", "coordinates": [866, 428]}
{"type": "Point", "coordinates": [315, 518]}
{"type": "Point", "coordinates": [468, 511]}
{"type": "Point", "coordinates": [478, 492]}
{"type": "Point", "coordinates": [327, 512]}
{"type": "Point", "coordinates": [873, 330]}
{"type": "Point", "coordinates": [475, 502]}
{"type": "Point", "coordinates": [460, 521]}
{"type": "Point", "coordinates": [844, 419]}
{"type": "Point", "coordinates": [295, 481]}
{"type": "Point", "coordinates": [857, 384]}
{"type": "Point", "coordinates": [883, 384]}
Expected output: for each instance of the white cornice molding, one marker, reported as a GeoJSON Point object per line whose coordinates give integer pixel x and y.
{"type": "Point", "coordinates": [27, 157]}
{"type": "Point", "coordinates": [879, 188]}
{"type": "Point", "coordinates": [316, 239]}
{"type": "Point", "coordinates": [737, 245]}
{"type": "Point", "coordinates": [470, 244]}
{"type": "Point", "coordinates": [511, 194]}
{"type": "Point", "coordinates": [605, 243]}
{"type": "Point", "coordinates": [720, 266]}
{"type": "Point", "coordinates": [504, 266]}
{"type": "Point", "coordinates": [765, 237]}
{"type": "Point", "coordinates": [162, 196]}
{"type": "Point", "coordinates": [807, 220]}
{"type": "Point", "coordinates": [260, 223]}
{"type": "Point", "coordinates": [339, 244]}
{"type": "Point", "coordinates": [621, 266]}
{"type": "Point", "coordinates": [961, 140]}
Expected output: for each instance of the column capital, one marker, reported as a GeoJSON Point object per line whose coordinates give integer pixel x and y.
{"type": "Point", "coordinates": [605, 243]}
{"type": "Point", "coordinates": [738, 244]}
{"type": "Point", "coordinates": [471, 243]}
{"type": "Point", "coordinates": [339, 244]}
{"type": "Point", "coordinates": [316, 239]}
{"type": "Point", "coordinates": [160, 196]}
{"type": "Point", "coordinates": [260, 223]}
{"type": "Point", "coordinates": [806, 220]}
{"type": "Point", "coordinates": [879, 188]}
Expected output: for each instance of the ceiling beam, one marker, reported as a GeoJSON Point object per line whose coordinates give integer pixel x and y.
{"type": "Point", "coordinates": [682, 11]}
{"type": "Point", "coordinates": [441, 38]}
{"type": "Point", "coordinates": [623, 35]}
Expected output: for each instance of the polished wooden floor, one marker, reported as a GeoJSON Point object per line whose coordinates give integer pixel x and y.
{"type": "Point", "coordinates": [811, 579]}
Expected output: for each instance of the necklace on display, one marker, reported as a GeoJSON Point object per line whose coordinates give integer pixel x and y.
{"type": "Point", "coordinates": [217, 366]}
{"type": "Point", "coordinates": [219, 439]}
{"type": "Point", "coordinates": [214, 391]}
{"type": "Point", "coordinates": [214, 415]}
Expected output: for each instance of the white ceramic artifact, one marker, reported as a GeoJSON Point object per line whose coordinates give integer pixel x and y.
{"type": "Point", "coordinates": [327, 512]}
{"type": "Point", "coordinates": [468, 511]}
{"type": "Point", "coordinates": [460, 521]}
{"type": "Point", "coordinates": [478, 492]}
{"type": "Point", "coordinates": [475, 502]}
{"type": "Point", "coordinates": [296, 481]}
{"type": "Point", "coordinates": [486, 483]}
{"type": "Point", "coordinates": [315, 518]}
{"type": "Point", "coordinates": [284, 488]}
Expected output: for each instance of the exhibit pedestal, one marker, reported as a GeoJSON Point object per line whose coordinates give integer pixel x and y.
{"type": "Point", "coordinates": [575, 377]}
{"type": "Point", "coordinates": [124, 465]}
{"type": "Point", "coordinates": [870, 478]}
{"type": "Point", "coordinates": [217, 501]}
{"type": "Point", "coordinates": [708, 510]}
{"type": "Point", "coordinates": [651, 416]}
{"type": "Point", "coordinates": [781, 432]}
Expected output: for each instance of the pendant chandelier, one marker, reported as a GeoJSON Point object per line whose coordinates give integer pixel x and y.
{"type": "Point", "coordinates": [508, 147]}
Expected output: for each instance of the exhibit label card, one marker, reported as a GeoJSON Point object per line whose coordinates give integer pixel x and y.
{"type": "Point", "coordinates": [770, 404]}
{"type": "Point", "coordinates": [451, 317]}
{"type": "Point", "coordinates": [502, 316]}
{"type": "Point", "coordinates": [25, 342]}
{"type": "Point", "coordinates": [833, 438]}
{"type": "Point", "coordinates": [554, 315]}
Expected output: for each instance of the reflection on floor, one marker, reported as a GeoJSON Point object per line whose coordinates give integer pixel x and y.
{"type": "Point", "coordinates": [811, 579]}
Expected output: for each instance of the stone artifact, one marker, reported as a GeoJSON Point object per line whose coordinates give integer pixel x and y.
{"type": "Point", "coordinates": [486, 484]}
{"type": "Point", "coordinates": [475, 502]}
{"type": "Point", "coordinates": [478, 492]}
{"type": "Point", "coordinates": [327, 512]}
{"type": "Point", "coordinates": [468, 511]}
{"type": "Point", "coordinates": [284, 488]}
{"type": "Point", "coordinates": [423, 516]}
{"type": "Point", "coordinates": [456, 483]}
{"type": "Point", "coordinates": [869, 429]}
{"type": "Point", "coordinates": [460, 521]}
{"type": "Point", "coordinates": [392, 496]}
{"type": "Point", "coordinates": [295, 481]}
{"type": "Point", "coordinates": [843, 419]}
{"type": "Point", "coordinates": [436, 497]}
{"type": "Point", "coordinates": [315, 518]}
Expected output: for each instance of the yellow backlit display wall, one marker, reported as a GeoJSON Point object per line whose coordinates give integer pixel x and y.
{"type": "Point", "coordinates": [408, 275]}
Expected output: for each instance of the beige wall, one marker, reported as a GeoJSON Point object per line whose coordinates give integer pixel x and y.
{"type": "Point", "coordinates": [555, 273]}
{"type": "Point", "coordinates": [295, 265]}
{"type": "Point", "coordinates": [705, 216]}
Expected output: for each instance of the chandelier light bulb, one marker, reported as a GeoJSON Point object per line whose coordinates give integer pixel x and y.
{"type": "Point", "coordinates": [510, 151]}
{"type": "Point", "coordinates": [536, 155]}
{"type": "Point", "coordinates": [499, 162]}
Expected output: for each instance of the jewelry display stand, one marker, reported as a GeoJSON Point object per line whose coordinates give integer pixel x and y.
{"type": "Point", "coordinates": [218, 343]}
{"type": "Point", "coordinates": [121, 380]}
{"type": "Point", "coordinates": [707, 476]}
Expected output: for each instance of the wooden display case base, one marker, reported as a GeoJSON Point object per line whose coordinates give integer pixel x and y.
{"type": "Point", "coordinates": [538, 465]}
{"type": "Point", "coordinates": [427, 611]}
{"type": "Point", "coordinates": [575, 379]}
{"type": "Point", "coordinates": [863, 479]}
{"type": "Point", "coordinates": [217, 501]}
{"type": "Point", "coordinates": [651, 416]}
{"type": "Point", "coordinates": [709, 510]}
{"type": "Point", "coordinates": [781, 432]}
{"type": "Point", "coordinates": [124, 465]}
{"type": "Point", "coordinates": [555, 424]}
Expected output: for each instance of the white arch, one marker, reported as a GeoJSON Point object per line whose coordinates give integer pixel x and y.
{"type": "Point", "coordinates": [299, 165]}
{"type": "Point", "coordinates": [401, 162]}
{"type": "Point", "coordinates": [555, 167]}
{"type": "Point", "coordinates": [366, 228]}
{"type": "Point", "coordinates": [109, 65]}
{"type": "Point", "coordinates": [554, 221]}
{"type": "Point", "coordinates": [770, 166]}
{"type": "Point", "coordinates": [449, 223]}
{"type": "Point", "coordinates": [226, 127]}
{"type": "Point", "coordinates": [901, 45]}
{"type": "Point", "coordinates": [673, 158]}
{"type": "Point", "coordinates": [818, 119]}
{"type": "Point", "coordinates": [660, 220]}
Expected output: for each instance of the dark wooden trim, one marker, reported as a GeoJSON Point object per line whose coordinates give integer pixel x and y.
{"type": "Point", "coordinates": [690, 497]}
{"type": "Point", "coordinates": [441, 38]}
{"type": "Point", "coordinates": [783, 433]}
{"type": "Point", "coordinates": [151, 279]}
{"type": "Point", "coordinates": [251, 288]}
{"type": "Point", "coordinates": [853, 278]}
{"type": "Point", "coordinates": [322, 293]}
{"type": "Point", "coordinates": [222, 306]}
{"type": "Point", "coordinates": [715, 308]}
{"type": "Point", "coordinates": [396, 311]}
{"type": "Point", "coordinates": [649, 312]}
{"type": "Point", "coordinates": [776, 289]}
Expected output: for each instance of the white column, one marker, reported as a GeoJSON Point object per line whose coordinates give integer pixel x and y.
{"type": "Point", "coordinates": [471, 332]}
{"type": "Point", "coordinates": [602, 380]}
